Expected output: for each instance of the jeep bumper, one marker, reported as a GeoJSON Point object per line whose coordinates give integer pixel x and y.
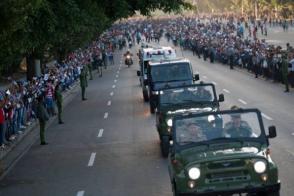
{"type": "Point", "coordinates": [268, 188]}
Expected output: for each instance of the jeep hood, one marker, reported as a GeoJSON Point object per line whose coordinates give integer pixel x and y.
{"type": "Point", "coordinates": [176, 110]}
{"type": "Point", "coordinates": [162, 85]}
{"type": "Point", "coordinates": [195, 155]}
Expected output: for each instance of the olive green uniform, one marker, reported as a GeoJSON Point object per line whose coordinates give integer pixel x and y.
{"type": "Point", "coordinates": [43, 116]}
{"type": "Point", "coordinates": [59, 100]}
{"type": "Point", "coordinates": [243, 131]}
{"type": "Point", "coordinates": [83, 83]}
{"type": "Point", "coordinates": [285, 73]}
{"type": "Point", "coordinates": [90, 71]}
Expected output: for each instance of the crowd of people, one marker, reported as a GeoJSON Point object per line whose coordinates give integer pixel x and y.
{"type": "Point", "coordinates": [233, 42]}
{"type": "Point", "coordinates": [230, 40]}
{"type": "Point", "coordinates": [20, 102]}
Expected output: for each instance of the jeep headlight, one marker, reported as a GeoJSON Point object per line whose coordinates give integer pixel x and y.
{"type": "Point", "coordinates": [169, 122]}
{"type": "Point", "coordinates": [259, 167]}
{"type": "Point", "coordinates": [194, 173]}
{"type": "Point", "coordinates": [155, 92]}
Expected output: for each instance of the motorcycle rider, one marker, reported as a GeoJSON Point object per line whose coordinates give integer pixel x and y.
{"type": "Point", "coordinates": [128, 57]}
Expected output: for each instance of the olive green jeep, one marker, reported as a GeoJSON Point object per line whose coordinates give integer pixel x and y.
{"type": "Point", "coordinates": [227, 158]}
{"type": "Point", "coordinates": [188, 99]}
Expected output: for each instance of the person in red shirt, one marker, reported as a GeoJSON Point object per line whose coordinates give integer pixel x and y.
{"type": "Point", "coordinates": [2, 121]}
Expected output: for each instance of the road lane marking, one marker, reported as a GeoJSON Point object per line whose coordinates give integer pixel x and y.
{"type": "Point", "coordinates": [111, 94]}
{"type": "Point", "coordinates": [292, 134]}
{"type": "Point", "coordinates": [266, 116]}
{"type": "Point", "coordinates": [105, 115]}
{"type": "Point", "coordinates": [213, 82]}
{"type": "Point", "coordinates": [100, 132]}
{"type": "Point", "coordinates": [81, 193]}
{"type": "Point", "coordinates": [290, 152]}
{"type": "Point", "coordinates": [205, 77]}
{"type": "Point", "coordinates": [92, 159]}
{"type": "Point", "coordinates": [116, 76]}
{"type": "Point", "coordinates": [242, 101]}
{"type": "Point", "coordinates": [115, 81]}
{"type": "Point", "coordinates": [227, 91]}
{"type": "Point", "coordinates": [117, 72]}
{"type": "Point", "coordinates": [109, 103]}
{"type": "Point", "coordinates": [113, 86]}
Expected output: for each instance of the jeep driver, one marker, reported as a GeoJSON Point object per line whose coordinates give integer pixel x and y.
{"type": "Point", "coordinates": [193, 133]}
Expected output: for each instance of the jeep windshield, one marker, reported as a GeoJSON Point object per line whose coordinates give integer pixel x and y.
{"type": "Point", "coordinates": [219, 127]}
{"type": "Point", "coordinates": [171, 72]}
{"type": "Point", "coordinates": [153, 57]}
{"type": "Point", "coordinates": [202, 95]}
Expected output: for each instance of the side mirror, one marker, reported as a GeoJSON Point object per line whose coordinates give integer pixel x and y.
{"type": "Point", "coordinates": [196, 77]}
{"type": "Point", "coordinates": [138, 73]}
{"type": "Point", "coordinates": [272, 132]}
{"type": "Point", "coordinates": [221, 98]}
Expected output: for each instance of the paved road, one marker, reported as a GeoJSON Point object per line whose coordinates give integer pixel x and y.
{"type": "Point", "coordinates": [277, 36]}
{"type": "Point", "coordinates": [109, 145]}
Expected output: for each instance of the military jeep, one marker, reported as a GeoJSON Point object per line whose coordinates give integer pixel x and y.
{"type": "Point", "coordinates": [166, 74]}
{"type": "Point", "coordinates": [209, 158]}
{"type": "Point", "coordinates": [149, 54]}
{"type": "Point", "coordinates": [179, 100]}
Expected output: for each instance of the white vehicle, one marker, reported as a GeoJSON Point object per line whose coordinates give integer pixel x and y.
{"type": "Point", "coordinates": [152, 54]}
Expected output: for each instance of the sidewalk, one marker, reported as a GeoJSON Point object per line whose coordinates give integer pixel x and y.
{"type": "Point", "coordinates": [10, 156]}
{"type": "Point", "coordinates": [22, 144]}
{"type": "Point", "coordinates": [277, 36]}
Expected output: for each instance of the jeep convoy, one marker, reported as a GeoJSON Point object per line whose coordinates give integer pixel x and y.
{"type": "Point", "coordinates": [210, 151]}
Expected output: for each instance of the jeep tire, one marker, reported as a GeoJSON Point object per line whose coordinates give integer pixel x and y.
{"type": "Point", "coordinates": [145, 96]}
{"type": "Point", "coordinates": [164, 144]}
{"type": "Point", "coordinates": [152, 109]}
{"type": "Point", "coordinates": [175, 192]}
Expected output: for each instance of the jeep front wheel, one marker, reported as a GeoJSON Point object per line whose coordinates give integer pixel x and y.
{"type": "Point", "coordinates": [145, 96]}
{"type": "Point", "coordinates": [175, 193]}
{"type": "Point", "coordinates": [152, 109]}
{"type": "Point", "coordinates": [164, 146]}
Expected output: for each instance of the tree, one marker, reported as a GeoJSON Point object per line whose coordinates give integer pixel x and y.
{"type": "Point", "coordinates": [31, 28]}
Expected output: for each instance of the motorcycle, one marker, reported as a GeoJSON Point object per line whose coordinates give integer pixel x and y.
{"type": "Point", "coordinates": [128, 60]}
{"type": "Point", "coordinates": [130, 44]}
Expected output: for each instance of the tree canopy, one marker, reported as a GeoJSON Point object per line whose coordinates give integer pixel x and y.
{"type": "Point", "coordinates": [33, 27]}
{"type": "Point", "coordinates": [264, 6]}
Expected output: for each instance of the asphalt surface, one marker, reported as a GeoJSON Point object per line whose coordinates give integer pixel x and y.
{"type": "Point", "coordinates": [109, 144]}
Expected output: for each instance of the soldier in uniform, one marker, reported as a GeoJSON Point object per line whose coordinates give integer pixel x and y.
{"type": "Point", "coordinates": [237, 127]}
{"type": "Point", "coordinates": [285, 71]}
{"type": "Point", "coordinates": [203, 94]}
{"type": "Point", "coordinates": [90, 68]}
{"type": "Point", "coordinates": [83, 83]}
{"type": "Point", "coordinates": [193, 133]}
{"type": "Point", "coordinates": [43, 116]}
{"type": "Point", "coordinates": [59, 100]}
